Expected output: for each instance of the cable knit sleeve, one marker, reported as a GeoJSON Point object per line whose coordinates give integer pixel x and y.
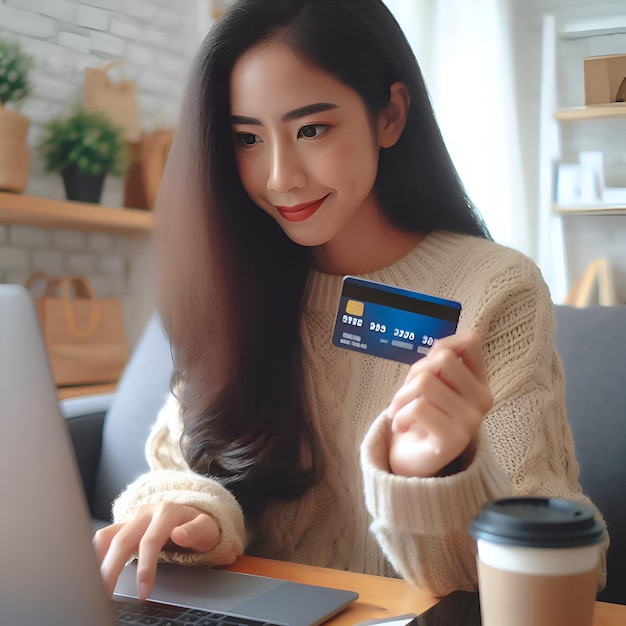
{"type": "Point", "coordinates": [524, 446]}
{"type": "Point", "coordinates": [421, 523]}
{"type": "Point", "coordinates": [172, 480]}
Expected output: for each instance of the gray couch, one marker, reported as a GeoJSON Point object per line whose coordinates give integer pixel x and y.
{"type": "Point", "coordinates": [592, 345]}
{"type": "Point", "coordinates": [109, 433]}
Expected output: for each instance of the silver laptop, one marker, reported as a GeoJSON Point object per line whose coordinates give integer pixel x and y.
{"type": "Point", "coordinates": [48, 569]}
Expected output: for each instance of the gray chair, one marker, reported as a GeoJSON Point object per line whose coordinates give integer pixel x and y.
{"type": "Point", "coordinates": [592, 344]}
{"type": "Point", "coordinates": [109, 432]}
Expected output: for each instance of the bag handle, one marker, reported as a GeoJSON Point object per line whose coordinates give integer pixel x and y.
{"type": "Point", "coordinates": [36, 276]}
{"type": "Point", "coordinates": [52, 283]}
{"type": "Point", "coordinates": [81, 289]}
{"type": "Point", "coordinates": [105, 67]}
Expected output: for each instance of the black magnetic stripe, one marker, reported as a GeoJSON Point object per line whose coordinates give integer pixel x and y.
{"type": "Point", "coordinates": [398, 301]}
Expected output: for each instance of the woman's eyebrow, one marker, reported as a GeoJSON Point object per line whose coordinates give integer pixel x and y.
{"type": "Point", "coordinates": [309, 109]}
{"type": "Point", "coordinates": [241, 119]}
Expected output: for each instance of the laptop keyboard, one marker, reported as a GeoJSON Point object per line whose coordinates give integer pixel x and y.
{"type": "Point", "coordinates": [155, 614]}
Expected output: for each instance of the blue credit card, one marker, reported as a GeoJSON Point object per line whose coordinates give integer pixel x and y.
{"type": "Point", "coordinates": [389, 322]}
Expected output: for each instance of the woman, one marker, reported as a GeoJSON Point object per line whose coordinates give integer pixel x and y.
{"type": "Point", "coordinates": [307, 149]}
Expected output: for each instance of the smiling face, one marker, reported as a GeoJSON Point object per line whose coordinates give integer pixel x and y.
{"type": "Point", "coordinates": [306, 150]}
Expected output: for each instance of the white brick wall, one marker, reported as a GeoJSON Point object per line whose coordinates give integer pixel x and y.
{"type": "Point", "coordinates": [52, 260]}
{"type": "Point", "coordinates": [29, 237]}
{"type": "Point", "coordinates": [13, 260]}
{"type": "Point", "coordinates": [157, 40]}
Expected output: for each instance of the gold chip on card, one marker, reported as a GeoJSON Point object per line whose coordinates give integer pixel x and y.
{"type": "Point", "coordinates": [354, 307]}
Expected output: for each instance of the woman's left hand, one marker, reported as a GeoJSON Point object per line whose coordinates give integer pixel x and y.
{"type": "Point", "coordinates": [439, 408]}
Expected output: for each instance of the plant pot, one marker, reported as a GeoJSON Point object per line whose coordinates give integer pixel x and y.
{"type": "Point", "coordinates": [14, 153]}
{"type": "Point", "coordinates": [82, 187]}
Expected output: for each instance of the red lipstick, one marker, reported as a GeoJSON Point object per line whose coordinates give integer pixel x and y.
{"type": "Point", "coordinates": [300, 212]}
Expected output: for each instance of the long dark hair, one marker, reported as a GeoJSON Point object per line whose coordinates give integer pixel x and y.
{"type": "Point", "coordinates": [232, 281]}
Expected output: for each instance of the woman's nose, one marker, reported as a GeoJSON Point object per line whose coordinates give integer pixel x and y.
{"type": "Point", "coordinates": [286, 170]}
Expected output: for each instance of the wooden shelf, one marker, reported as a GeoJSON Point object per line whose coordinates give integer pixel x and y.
{"type": "Point", "coordinates": [84, 390]}
{"type": "Point", "coordinates": [46, 213]}
{"type": "Point", "coordinates": [596, 111]}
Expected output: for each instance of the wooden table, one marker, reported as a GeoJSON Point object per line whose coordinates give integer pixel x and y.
{"type": "Point", "coordinates": [378, 597]}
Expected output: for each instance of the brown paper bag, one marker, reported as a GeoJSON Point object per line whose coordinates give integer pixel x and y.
{"type": "Point", "coordinates": [144, 175]}
{"type": "Point", "coordinates": [154, 152]}
{"type": "Point", "coordinates": [84, 336]}
{"type": "Point", "coordinates": [118, 100]}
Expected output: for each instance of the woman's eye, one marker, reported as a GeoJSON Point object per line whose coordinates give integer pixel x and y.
{"type": "Point", "coordinates": [249, 139]}
{"type": "Point", "coordinates": [312, 131]}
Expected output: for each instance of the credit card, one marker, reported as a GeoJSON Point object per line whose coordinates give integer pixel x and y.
{"type": "Point", "coordinates": [390, 322]}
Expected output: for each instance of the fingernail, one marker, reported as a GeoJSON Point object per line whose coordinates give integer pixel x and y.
{"type": "Point", "coordinates": [142, 591]}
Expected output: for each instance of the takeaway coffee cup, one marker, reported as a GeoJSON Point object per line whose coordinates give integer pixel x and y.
{"type": "Point", "coordinates": [538, 561]}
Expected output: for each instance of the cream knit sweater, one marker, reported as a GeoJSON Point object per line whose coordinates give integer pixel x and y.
{"type": "Point", "coordinates": [361, 517]}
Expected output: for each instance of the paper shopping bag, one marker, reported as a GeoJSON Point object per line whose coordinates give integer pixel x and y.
{"type": "Point", "coordinates": [143, 178]}
{"type": "Point", "coordinates": [84, 335]}
{"type": "Point", "coordinates": [118, 100]}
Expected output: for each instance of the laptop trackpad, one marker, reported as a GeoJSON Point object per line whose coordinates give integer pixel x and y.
{"type": "Point", "coordinates": [244, 595]}
{"type": "Point", "coordinates": [199, 587]}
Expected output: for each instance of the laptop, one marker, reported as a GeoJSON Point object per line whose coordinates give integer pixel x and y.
{"type": "Point", "coordinates": [49, 572]}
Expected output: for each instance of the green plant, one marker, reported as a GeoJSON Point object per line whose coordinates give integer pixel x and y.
{"type": "Point", "coordinates": [15, 66]}
{"type": "Point", "coordinates": [89, 141]}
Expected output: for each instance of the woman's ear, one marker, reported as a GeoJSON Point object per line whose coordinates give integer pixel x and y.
{"type": "Point", "coordinates": [392, 119]}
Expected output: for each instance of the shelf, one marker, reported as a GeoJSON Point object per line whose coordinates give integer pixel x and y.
{"type": "Point", "coordinates": [596, 111]}
{"type": "Point", "coordinates": [594, 27]}
{"type": "Point", "coordinates": [46, 213]}
{"type": "Point", "coordinates": [598, 209]}
{"type": "Point", "coordinates": [84, 390]}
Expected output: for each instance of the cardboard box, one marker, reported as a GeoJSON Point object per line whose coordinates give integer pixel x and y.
{"type": "Point", "coordinates": [603, 77]}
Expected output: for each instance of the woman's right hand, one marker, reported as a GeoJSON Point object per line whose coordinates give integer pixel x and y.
{"type": "Point", "coordinates": [152, 528]}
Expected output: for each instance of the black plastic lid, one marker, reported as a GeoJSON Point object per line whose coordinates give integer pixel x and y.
{"type": "Point", "coordinates": [537, 522]}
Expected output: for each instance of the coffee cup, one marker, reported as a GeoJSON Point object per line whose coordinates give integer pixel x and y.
{"type": "Point", "coordinates": [538, 561]}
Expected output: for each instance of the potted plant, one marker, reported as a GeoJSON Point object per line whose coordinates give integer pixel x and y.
{"type": "Point", "coordinates": [15, 67]}
{"type": "Point", "coordinates": [84, 147]}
